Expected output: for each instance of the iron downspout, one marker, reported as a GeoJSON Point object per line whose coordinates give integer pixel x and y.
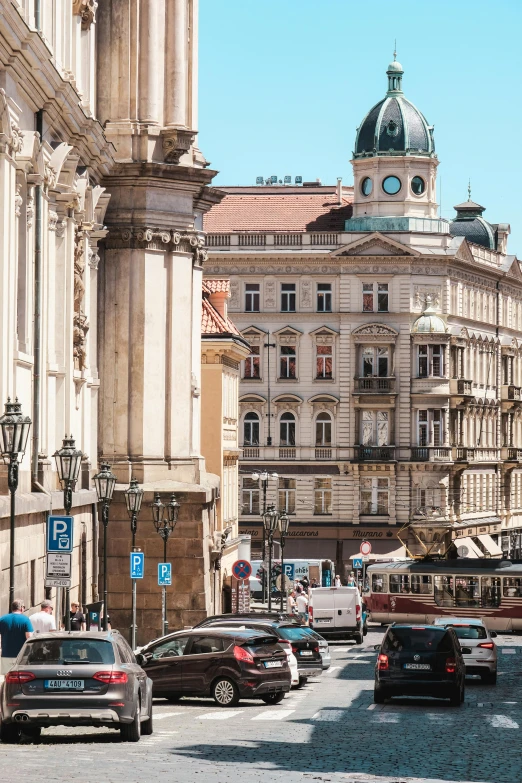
{"type": "Point", "coordinates": [37, 333]}
{"type": "Point", "coordinates": [95, 553]}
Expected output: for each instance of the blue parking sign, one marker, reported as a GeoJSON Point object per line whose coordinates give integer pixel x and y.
{"type": "Point", "coordinates": [164, 574]}
{"type": "Point", "coordinates": [289, 571]}
{"type": "Point", "coordinates": [60, 534]}
{"type": "Point", "coordinates": [137, 565]}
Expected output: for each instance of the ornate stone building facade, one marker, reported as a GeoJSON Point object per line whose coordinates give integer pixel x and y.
{"type": "Point", "coordinates": [103, 195]}
{"type": "Point", "coordinates": [384, 383]}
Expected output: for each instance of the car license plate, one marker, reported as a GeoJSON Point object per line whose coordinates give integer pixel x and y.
{"type": "Point", "coordinates": [422, 666]}
{"type": "Point", "coordinates": [273, 664]}
{"type": "Point", "coordinates": [323, 620]}
{"type": "Point", "coordinates": [306, 652]}
{"type": "Point", "coordinates": [64, 685]}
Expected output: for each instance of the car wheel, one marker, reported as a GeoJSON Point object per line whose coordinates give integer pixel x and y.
{"type": "Point", "coordinates": [379, 695]}
{"type": "Point", "coordinates": [455, 698]}
{"type": "Point", "coordinates": [302, 682]}
{"type": "Point", "coordinates": [490, 678]}
{"type": "Point", "coordinates": [225, 692]}
{"type": "Point", "coordinates": [10, 733]}
{"type": "Point", "coordinates": [131, 732]}
{"type": "Point", "coordinates": [365, 629]}
{"type": "Point", "coordinates": [273, 698]}
{"type": "Point", "coordinates": [358, 638]}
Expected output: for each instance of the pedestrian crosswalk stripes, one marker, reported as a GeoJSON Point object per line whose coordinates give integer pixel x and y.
{"type": "Point", "coordinates": [271, 715]}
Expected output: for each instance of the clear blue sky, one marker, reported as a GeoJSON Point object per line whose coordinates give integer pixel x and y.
{"type": "Point", "coordinates": [284, 84]}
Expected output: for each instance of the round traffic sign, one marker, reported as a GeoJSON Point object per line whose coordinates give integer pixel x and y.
{"type": "Point", "coordinates": [365, 548]}
{"type": "Point", "coordinates": [241, 569]}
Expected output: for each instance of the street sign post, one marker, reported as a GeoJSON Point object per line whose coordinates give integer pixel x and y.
{"type": "Point", "coordinates": [137, 565]}
{"type": "Point", "coordinates": [289, 572]}
{"type": "Point", "coordinates": [357, 563]}
{"type": "Point", "coordinates": [60, 536]}
{"type": "Point", "coordinates": [58, 569]}
{"type": "Point", "coordinates": [365, 548]}
{"type": "Point", "coordinates": [164, 574]}
{"type": "Point", "coordinates": [242, 569]}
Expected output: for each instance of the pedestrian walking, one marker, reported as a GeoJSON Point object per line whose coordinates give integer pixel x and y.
{"type": "Point", "coordinates": [351, 579]}
{"type": "Point", "coordinates": [77, 618]}
{"type": "Point", "coordinates": [43, 621]}
{"type": "Point", "coordinates": [302, 606]}
{"type": "Point", "coordinates": [337, 580]}
{"type": "Point", "coordinates": [292, 605]}
{"type": "Point", "coordinates": [15, 628]}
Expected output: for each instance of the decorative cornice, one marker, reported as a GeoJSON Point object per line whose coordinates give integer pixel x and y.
{"type": "Point", "coordinates": [87, 10]}
{"type": "Point", "coordinates": [166, 240]}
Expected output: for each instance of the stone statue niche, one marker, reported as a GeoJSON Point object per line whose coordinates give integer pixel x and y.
{"type": "Point", "coordinates": [81, 323]}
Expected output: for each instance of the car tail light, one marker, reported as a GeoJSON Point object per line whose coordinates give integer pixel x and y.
{"type": "Point", "coordinates": [358, 614]}
{"type": "Point", "coordinates": [382, 662]}
{"type": "Point", "coordinates": [487, 645]}
{"type": "Point", "coordinates": [20, 678]}
{"type": "Point", "coordinates": [316, 649]}
{"type": "Point", "coordinates": [294, 648]}
{"type": "Point", "coordinates": [311, 612]}
{"type": "Point", "coordinates": [240, 654]}
{"type": "Point", "coordinates": [451, 665]}
{"type": "Point", "coordinates": [111, 678]}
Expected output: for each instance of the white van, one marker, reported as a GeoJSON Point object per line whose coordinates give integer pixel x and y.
{"type": "Point", "coordinates": [336, 613]}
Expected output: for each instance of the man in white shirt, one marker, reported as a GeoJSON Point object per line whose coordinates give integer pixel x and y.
{"type": "Point", "coordinates": [43, 621]}
{"type": "Point", "coordinates": [302, 605]}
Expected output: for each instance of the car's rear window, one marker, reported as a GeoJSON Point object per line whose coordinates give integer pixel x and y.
{"type": "Point", "coordinates": [291, 633]}
{"type": "Point", "coordinates": [67, 651]}
{"type": "Point", "coordinates": [417, 639]}
{"type": "Point", "coordinates": [258, 641]}
{"type": "Point", "coordinates": [470, 631]}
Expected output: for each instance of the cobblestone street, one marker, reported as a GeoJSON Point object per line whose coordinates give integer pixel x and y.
{"type": "Point", "coordinates": [328, 731]}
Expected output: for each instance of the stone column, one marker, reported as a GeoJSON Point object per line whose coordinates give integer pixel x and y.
{"type": "Point", "coordinates": [176, 70]}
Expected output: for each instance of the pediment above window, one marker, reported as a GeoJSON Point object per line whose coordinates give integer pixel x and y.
{"type": "Point", "coordinates": [375, 333]}
{"type": "Point", "coordinates": [375, 244]}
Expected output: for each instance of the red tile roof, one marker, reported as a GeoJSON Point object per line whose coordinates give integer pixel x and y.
{"type": "Point", "coordinates": [211, 321]}
{"type": "Point", "coordinates": [217, 286]}
{"type": "Point", "coordinates": [279, 209]}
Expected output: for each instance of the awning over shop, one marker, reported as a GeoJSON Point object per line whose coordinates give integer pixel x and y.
{"type": "Point", "coordinates": [399, 553]}
{"type": "Point", "coordinates": [489, 545]}
{"type": "Point", "coordinates": [467, 544]}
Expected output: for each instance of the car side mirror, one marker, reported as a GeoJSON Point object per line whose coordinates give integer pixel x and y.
{"type": "Point", "coordinates": [140, 659]}
{"type": "Point", "coordinates": [493, 634]}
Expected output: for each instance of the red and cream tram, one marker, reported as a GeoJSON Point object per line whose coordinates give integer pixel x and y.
{"type": "Point", "coordinates": [420, 590]}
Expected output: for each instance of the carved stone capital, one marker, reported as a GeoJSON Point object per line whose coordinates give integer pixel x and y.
{"type": "Point", "coordinates": [176, 142]}
{"type": "Point", "coordinates": [18, 200]}
{"type": "Point", "coordinates": [87, 10]}
{"type": "Point", "coordinates": [152, 238]}
{"type": "Point", "coordinates": [53, 220]}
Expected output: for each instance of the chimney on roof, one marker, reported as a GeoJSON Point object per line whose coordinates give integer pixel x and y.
{"type": "Point", "coordinates": [340, 191]}
{"type": "Point", "coordinates": [218, 300]}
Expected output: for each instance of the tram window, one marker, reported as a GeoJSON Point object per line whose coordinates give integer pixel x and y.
{"type": "Point", "coordinates": [420, 583]}
{"type": "Point", "coordinates": [444, 594]}
{"type": "Point", "coordinates": [513, 587]}
{"type": "Point", "coordinates": [490, 590]}
{"type": "Point", "coordinates": [379, 583]}
{"type": "Point", "coordinates": [467, 591]}
{"type": "Point", "coordinates": [400, 583]}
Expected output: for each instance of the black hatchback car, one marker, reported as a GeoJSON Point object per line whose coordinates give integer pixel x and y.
{"type": "Point", "coordinates": [420, 660]}
{"type": "Point", "coordinates": [304, 646]}
{"type": "Point", "coordinates": [225, 664]}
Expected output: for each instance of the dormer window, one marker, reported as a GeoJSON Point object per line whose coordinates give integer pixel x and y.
{"type": "Point", "coordinates": [392, 129]}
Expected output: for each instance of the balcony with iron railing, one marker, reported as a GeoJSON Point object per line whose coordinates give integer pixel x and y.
{"type": "Point", "coordinates": [374, 453]}
{"type": "Point", "coordinates": [431, 454]}
{"type": "Point", "coordinates": [374, 385]}
{"type": "Point", "coordinates": [511, 454]}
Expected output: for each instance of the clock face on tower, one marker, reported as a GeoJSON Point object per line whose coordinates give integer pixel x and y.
{"type": "Point", "coordinates": [391, 185]}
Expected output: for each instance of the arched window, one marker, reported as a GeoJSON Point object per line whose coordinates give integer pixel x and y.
{"type": "Point", "coordinates": [323, 430]}
{"type": "Point", "coordinates": [251, 430]}
{"type": "Point", "coordinates": [287, 429]}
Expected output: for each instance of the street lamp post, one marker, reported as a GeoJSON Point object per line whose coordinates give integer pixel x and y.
{"type": "Point", "coordinates": [164, 526]}
{"type": "Point", "coordinates": [105, 481]}
{"type": "Point", "coordinates": [263, 477]}
{"type": "Point", "coordinates": [68, 464]}
{"type": "Point", "coordinates": [270, 523]}
{"type": "Point", "coordinates": [284, 524]}
{"type": "Point", "coordinates": [14, 432]}
{"type": "Point", "coordinates": [133, 499]}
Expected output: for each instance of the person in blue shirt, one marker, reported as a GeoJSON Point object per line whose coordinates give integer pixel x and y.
{"type": "Point", "coordinates": [15, 628]}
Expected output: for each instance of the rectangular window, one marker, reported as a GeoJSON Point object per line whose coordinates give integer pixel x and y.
{"type": "Point", "coordinates": [420, 583]}
{"type": "Point", "coordinates": [444, 594]}
{"type": "Point", "coordinates": [490, 590]}
{"type": "Point", "coordinates": [467, 592]}
{"type": "Point", "coordinates": [367, 297]}
{"type": "Point", "coordinates": [287, 362]}
{"type": "Point", "coordinates": [431, 361]}
{"type": "Point", "coordinates": [288, 297]}
{"type": "Point", "coordinates": [323, 496]}
{"type": "Point", "coordinates": [252, 363]}
{"type": "Point", "coordinates": [431, 427]}
{"type": "Point", "coordinates": [324, 362]}
{"type": "Point", "coordinates": [513, 587]}
{"type": "Point", "coordinates": [287, 495]}
{"type": "Point", "coordinates": [375, 430]}
{"type": "Point", "coordinates": [375, 496]}
{"type": "Point", "coordinates": [379, 583]}
{"type": "Point", "coordinates": [423, 428]}
{"type": "Point", "coordinates": [375, 297]}
{"type": "Point", "coordinates": [324, 297]}
{"type": "Point", "coordinates": [252, 298]}
{"type": "Point", "coordinates": [250, 498]}
{"type": "Point", "coordinates": [382, 297]}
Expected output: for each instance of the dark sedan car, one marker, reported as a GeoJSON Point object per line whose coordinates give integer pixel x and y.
{"type": "Point", "coordinates": [76, 679]}
{"type": "Point", "coordinates": [225, 664]}
{"type": "Point", "coordinates": [420, 661]}
{"type": "Point", "coordinates": [304, 647]}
